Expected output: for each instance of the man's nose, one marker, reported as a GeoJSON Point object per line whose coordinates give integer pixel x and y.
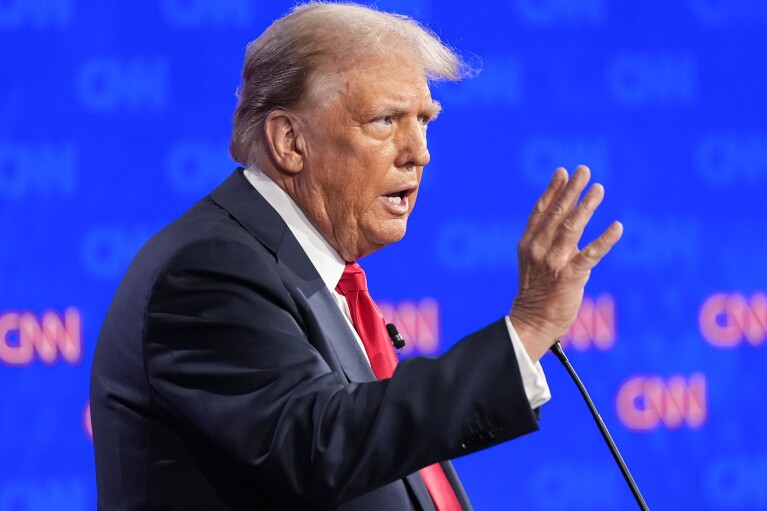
{"type": "Point", "coordinates": [412, 145]}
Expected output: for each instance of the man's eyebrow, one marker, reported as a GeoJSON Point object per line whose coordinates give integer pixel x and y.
{"type": "Point", "coordinates": [434, 109]}
{"type": "Point", "coordinates": [431, 109]}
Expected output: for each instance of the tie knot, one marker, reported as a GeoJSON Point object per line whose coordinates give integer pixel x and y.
{"type": "Point", "coordinates": [353, 279]}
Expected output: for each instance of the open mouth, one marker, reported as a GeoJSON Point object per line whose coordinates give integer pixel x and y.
{"type": "Point", "coordinates": [396, 198]}
{"type": "Point", "coordinates": [399, 197]}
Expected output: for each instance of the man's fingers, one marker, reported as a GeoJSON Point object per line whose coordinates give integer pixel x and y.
{"type": "Point", "coordinates": [563, 206]}
{"type": "Point", "coordinates": [558, 181]}
{"type": "Point", "coordinates": [597, 249]}
{"type": "Point", "coordinates": [569, 196]}
{"type": "Point", "coordinates": [571, 229]}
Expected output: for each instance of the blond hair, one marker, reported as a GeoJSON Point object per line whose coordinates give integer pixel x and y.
{"type": "Point", "coordinates": [297, 57]}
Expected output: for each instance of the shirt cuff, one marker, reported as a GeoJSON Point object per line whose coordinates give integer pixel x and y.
{"type": "Point", "coordinates": [533, 379]}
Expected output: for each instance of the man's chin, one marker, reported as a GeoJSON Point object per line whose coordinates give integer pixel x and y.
{"type": "Point", "coordinates": [380, 238]}
{"type": "Point", "coordinates": [393, 231]}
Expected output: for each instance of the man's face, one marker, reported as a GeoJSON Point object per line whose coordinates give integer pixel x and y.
{"type": "Point", "coordinates": [364, 155]}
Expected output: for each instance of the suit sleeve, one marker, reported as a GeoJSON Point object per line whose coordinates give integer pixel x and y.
{"type": "Point", "coordinates": [231, 368]}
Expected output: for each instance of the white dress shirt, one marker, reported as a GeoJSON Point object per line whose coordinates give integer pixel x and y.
{"type": "Point", "coordinates": [330, 266]}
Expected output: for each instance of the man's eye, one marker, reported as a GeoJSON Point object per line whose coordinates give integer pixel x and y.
{"type": "Point", "coordinates": [424, 120]}
{"type": "Point", "coordinates": [386, 119]}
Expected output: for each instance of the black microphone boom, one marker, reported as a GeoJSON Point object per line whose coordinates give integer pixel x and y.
{"type": "Point", "coordinates": [557, 350]}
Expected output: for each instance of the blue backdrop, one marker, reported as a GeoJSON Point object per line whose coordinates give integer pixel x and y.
{"type": "Point", "coordinates": [115, 118]}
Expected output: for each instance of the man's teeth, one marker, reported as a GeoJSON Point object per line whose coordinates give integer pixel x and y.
{"type": "Point", "coordinates": [394, 200]}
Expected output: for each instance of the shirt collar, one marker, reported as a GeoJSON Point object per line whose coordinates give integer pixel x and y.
{"type": "Point", "coordinates": [323, 256]}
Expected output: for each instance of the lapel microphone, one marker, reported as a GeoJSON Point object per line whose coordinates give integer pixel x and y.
{"type": "Point", "coordinates": [396, 338]}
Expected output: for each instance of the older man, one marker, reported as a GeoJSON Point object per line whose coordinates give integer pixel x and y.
{"type": "Point", "coordinates": [243, 365]}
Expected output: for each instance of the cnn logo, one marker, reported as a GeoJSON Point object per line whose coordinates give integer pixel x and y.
{"type": "Point", "coordinates": [645, 403]}
{"type": "Point", "coordinates": [594, 326]}
{"type": "Point", "coordinates": [417, 322]}
{"type": "Point", "coordinates": [24, 336]}
{"type": "Point", "coordinates": [729, 319]}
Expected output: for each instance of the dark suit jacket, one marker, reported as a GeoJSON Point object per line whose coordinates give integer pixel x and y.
{"type": "Point", "coordinates": [225, 377]}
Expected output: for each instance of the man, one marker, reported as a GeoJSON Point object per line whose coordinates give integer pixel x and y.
{"type": "Point", "coordinates": [235, 370]}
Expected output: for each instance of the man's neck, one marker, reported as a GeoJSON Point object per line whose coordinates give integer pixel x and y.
{"type": "Point", "coordinates": [326, 260]}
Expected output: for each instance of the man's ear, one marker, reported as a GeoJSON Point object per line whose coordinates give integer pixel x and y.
{"type": "Point", "coordinates": [282, 134]}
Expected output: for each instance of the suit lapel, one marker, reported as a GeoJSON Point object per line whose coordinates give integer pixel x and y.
{"type": "Point", "coordinates": [345, 346]}
{"type": "Point", "coordinates": [331, 321]}
{"type": "Point", "coordinates": [460, 492]}
{"type": "Point", "coordinates": [250, 209]}
{"type": "Point", "coordinates": [420, 492]}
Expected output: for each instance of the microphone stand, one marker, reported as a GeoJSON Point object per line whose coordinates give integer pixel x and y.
{"type": "Point", "coordinates": [557, 350]}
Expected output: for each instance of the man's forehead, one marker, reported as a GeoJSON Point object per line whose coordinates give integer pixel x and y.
{"type": "Point", "coordinates": [378, 101]}
{"type": "Point", "coordinates": [398, 85]}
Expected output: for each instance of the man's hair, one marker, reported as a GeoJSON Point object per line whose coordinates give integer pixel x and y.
{"type": "Point", "coordinates": [299, 57]}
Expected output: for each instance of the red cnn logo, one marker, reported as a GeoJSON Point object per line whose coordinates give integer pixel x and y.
{"type": "Point", "coordinates": [418, 324]}
{"type": "Point", "coordinates": [648, 402]}
{"type": "Point", "coordinates": [594, 325]}
{"type": "Point", "coordinates": [22, 335]}
{"type": "Point", "coordinates": [728, 319]}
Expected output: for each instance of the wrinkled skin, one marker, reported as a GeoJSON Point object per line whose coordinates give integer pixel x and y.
{"type": "Point", "coordinates": [365, 144]}
{"type": "Point", "coordinates": [552, 270]}
{"type": "Point", "coordinates": [342, 158]}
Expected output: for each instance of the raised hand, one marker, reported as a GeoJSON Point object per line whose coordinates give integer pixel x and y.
{"type": "Point", "coordinates": [552, 270]}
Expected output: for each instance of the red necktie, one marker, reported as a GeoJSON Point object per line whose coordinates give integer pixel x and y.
{"type": "Point", "coordinates": [371, 327]}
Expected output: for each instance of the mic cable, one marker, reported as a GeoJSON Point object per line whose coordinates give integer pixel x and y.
{"type": "Point", "coordinates": [557, 350]}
